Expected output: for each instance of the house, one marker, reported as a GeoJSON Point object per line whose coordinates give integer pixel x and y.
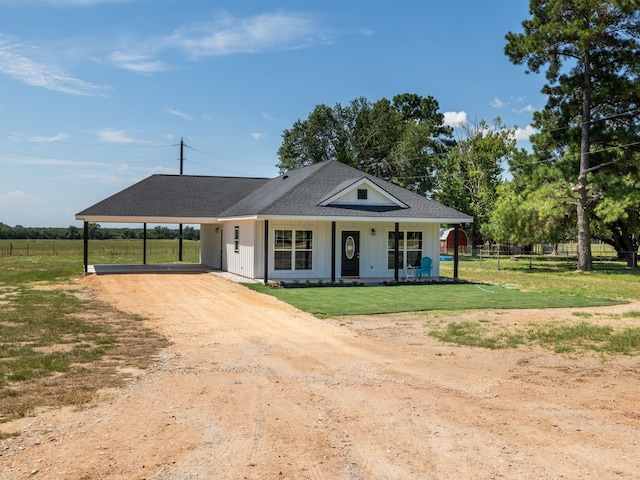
{"type": "Point", "coordinates": [448, 240]}
{"type": "Point", "coordinates": [323, 221]}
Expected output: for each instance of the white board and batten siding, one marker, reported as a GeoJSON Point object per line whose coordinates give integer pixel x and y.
{"type": "Point", "coordinates": [211, 245]}
{"type": "Point", "coordinates": [373, 247]}
{"type": "Point", "coordinates": [242, 261]}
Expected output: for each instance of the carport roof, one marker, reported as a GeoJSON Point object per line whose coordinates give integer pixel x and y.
{"type": "Point", "coordinates": [174, 196]}
{"type": "Point", "coordinates": [298, 193]}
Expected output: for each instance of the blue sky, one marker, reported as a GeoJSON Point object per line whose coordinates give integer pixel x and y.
{"type": "Point", "coordinates": [96, 94]}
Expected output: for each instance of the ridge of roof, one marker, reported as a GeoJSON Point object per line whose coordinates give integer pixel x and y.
{"type": "Point", "coordinates": [206, 176]}
{"type": "Point", "coordinates": [273, 190]}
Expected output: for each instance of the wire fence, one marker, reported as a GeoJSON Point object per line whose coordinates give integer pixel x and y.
{"type": "Point", "coordinates": [499, 258]}
{"type": "Point", "coordinates": [102, 249]}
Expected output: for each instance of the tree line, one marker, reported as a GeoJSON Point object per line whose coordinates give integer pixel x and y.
{"type": "Point", "coordinates": [581, 179]}
{"type": "Point", "coordinates": [96, 232]}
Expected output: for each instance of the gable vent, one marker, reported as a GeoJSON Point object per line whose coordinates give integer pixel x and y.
{"type": "Point", "coordinates": [362, 194]}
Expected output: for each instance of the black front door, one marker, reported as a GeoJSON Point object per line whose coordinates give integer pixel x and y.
{"type": "Point", "coordinates": [350, 254]}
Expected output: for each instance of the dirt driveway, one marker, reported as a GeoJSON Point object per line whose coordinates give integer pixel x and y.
{"type": "Point", "coordinates": [252, 388]}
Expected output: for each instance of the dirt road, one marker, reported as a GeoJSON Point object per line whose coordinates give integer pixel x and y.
{"type": "Point", "coordinates": [252, 388]}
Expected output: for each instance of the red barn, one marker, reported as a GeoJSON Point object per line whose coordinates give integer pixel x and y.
{"type": "Point", "coordinates": [447, 239]}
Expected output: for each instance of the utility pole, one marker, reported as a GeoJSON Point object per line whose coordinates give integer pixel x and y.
{"type": "Point", "coordinates": [180, 228]}
{"type": "Point", "coordinates": [181, 154]}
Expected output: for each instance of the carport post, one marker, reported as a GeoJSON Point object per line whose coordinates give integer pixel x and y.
{"type": "Point", "coordinates": [144, 244]}
{"type": "Point", "coordinates": [86, 248]}
{"type": "Point", "coordinates": [455, 251]}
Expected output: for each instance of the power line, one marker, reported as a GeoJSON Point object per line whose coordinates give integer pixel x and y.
{"type": "Point", "coordinates": [592, 121]}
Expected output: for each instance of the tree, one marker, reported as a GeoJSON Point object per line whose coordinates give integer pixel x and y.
{"type": "Point", "coordinates": [532, 208]}
{"type": "Point", "coordinates": [73, 233]}
{"type": "Point", "coordinates": [591, 51]}
{"type": "Point", "coordinates": [162, 233]}
{"type": "Point", "coordinates": [190, 233]}
{"type": "Point", "coordinates": [469, 175]}
{"type": "Point", "coordinates": [94, 231]}
{"type": "Point", "coordinates": [397, 140]}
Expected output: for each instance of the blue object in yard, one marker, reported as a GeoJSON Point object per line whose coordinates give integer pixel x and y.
{"type": "Point", "coordinates": [446, 258]}
{"type": "Point", "coordinates": [424, 268]}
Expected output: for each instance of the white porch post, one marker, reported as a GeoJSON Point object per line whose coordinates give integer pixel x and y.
{"type": "Point", "coordinates": [266, 251]}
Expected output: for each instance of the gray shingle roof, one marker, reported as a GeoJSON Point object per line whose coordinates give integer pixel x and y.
{"type": "Point", "coordinates": [175, 196]}
{"type": "Point", "coordinates": [295, 193]}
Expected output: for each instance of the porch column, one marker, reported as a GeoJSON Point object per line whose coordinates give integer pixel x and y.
{"type": "Point", "coordinates": [455, 251]}
{"type": "Point", "coordinates": [333, 251]}
{"type": "Point", "coordinates": [266, 251]}
{"type": "Point", "coordinates": [396, 252]}
{"type": "Point", "coordinates": [144, 244]}
{"type": "Point", "coordinates": [86, 248]}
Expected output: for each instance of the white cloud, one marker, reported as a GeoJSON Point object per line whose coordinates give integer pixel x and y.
{"type": "Point", "coordinates": [266, 116]}
{"type": "Point", "coordinates": [56, 138]}
{"type": "Point", "coordinates": [179, 114]}
{"type": "Point", "coordinates": [525, 133]}
{"type": "Point", "coordinates": [455, 119]}
{"type": "Point", "coordinates": [14, 198]}
{"type": "Point", "coordinates": [60, 3]}
{"type": "Point", "coordinates": [497, 103]}
{"type": "Point", "coordinates": [528, 109]}
{"type": "Point", "coordinates": [264, 32]}
{"type": "Point", "coordinates": [43, 161]}
{"type": "Point", "coordinates": [258, 136]}
{"type": "Point", "coordinates": [110, 135]}
{"type": "Point", "coordinates": [137, 62]}
{"type": "Point", "coordinates": [225, 35]}
{"type": "Point", "coordinates": [18, 66]}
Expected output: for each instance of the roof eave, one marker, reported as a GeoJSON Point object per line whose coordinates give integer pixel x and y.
{"type": "Point", "coordinates": [362, 218]}
{"type": "Point", "coordinates": [144, 219]}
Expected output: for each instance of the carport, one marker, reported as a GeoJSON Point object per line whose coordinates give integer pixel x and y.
{"type": "Point", "coordinates": [171, 199]}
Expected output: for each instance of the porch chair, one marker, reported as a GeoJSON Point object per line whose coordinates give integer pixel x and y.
{"type": "Point", "coordinates": [424, 268]}
{"type": "Point", "coordinates": [410, 272]}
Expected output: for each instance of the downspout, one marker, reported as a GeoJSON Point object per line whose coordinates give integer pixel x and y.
{"type": "Point", "coordinates": [396, 251]}
{"type": "Point", "coordinates": [266, 251]}
{"type": "Point", "coordinates": [86, 248]}
{"type": "Point", "coordinates": [333, 252]}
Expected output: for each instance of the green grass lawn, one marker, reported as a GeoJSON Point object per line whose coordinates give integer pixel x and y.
{"type": "Point", "coordinates": [337, 301]}
{"type": "Point", "coordinates": [543, 283]}
{"type": "Point", "coordinates": [610, 280]}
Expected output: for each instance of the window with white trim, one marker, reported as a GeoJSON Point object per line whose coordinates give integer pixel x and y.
{"type": "Point", "coordinates": [409, 248]}
{"type": "Point", "coordinates": [236, 239]}
{"type": "Point", "coordinates": [293, 250]}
